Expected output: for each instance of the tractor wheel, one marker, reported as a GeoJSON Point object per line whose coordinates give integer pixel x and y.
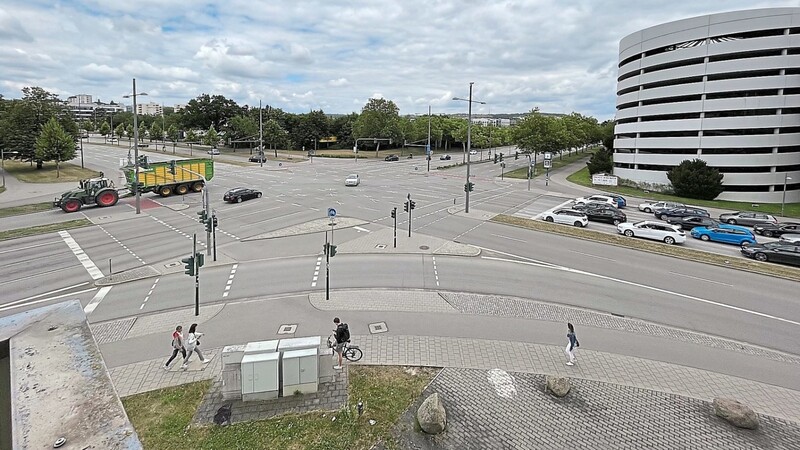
{"type": "Point", "coordinates": [71, 205]}
{"type": "Point", "coordinates": [107, 197]}
{"type": "Point", "coordinates": [164, 191]}
{"type": "Point", "coordinates": [198, 186]}
{"type": "Point", "coordinates": [182, 189]}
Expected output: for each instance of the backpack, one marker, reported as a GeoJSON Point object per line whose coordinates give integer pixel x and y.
{"type": "Point", "coordinates": [344, 333]}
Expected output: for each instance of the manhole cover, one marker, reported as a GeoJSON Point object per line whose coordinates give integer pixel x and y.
{"type": "Point", "coordinates": [380, 246]}
{"type": "Point", "coordinates": [172, 264]}
{"type": "Point", "coordinates": [424, 247]}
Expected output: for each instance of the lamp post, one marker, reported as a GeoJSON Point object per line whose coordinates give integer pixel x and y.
{"type": "Point", "coordinates": [469, 139]}
{"type": "Point", "coordinates": [80, 132]}
{"type": "Point", "coordinates": [136, 146]}
{"type": "Point", "coordinates": [260, 135]}
{"type": "Point", "coordinates": [786, 178]}
{"type": "Point", "coordinates": [428, 148]}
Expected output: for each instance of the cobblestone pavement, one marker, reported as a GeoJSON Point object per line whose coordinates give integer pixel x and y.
{"type": "Point", "coordinates": [518, 414]}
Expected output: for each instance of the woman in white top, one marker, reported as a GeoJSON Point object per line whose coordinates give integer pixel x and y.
{"type": "Point", "coordinates": [193, 346]}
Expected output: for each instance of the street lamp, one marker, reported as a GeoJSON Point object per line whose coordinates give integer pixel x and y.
{"type": "Point", "coordinates": [786, 178]}
{"type": "Point", "coordinates": [469, 138]}
{"type": "Point", "coordinates": [136, 146]}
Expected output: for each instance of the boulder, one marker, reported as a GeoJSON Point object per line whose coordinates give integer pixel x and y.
{"type": "Point", "coordinates": [736, 413]}
{"type": "Point", "coordinates": [431, 415]}
{"type": "Point", "coordinates": [558, 386]}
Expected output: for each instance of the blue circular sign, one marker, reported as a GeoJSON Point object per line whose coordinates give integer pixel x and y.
{"type": "Point", "coordinates": [331, 212]}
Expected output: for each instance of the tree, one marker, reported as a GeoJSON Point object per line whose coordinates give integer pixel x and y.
{"type": "Point", "coordinates": [156, 132]}
{"type": "Point", "coordinates": [342, 128]}
{"type": "Point", "coordinates": [173, 135]}
{"type": "Point", "coordinates": [191, 136]}
{"type": "Point", "coordinates": [55, 144]}
{"type": "Point", "coordinates": [537, 133]}
{"type": "Point", "coordinates": [695, 179]}
{"type": "Point", "coordinates": [309, 128]}
{"type": "Point", "coordinates": [274, 134]}
{"type": "Point", "coordinates": [378, 119]}
{"type": "Point", "coordinates": [606, 134]}
{"type": "Point", "coordinates": [207, 111]}
{"type": "Point", "coordinates": [601, 162]}
{"type": "Point", "coordinates": [22, 121]}
{"type": "Point", "coordinates": [211, 137]}
{"type": "Point", "coordinates": [119, 131]}
{"type": "Point", "coordinates": [105, 129]}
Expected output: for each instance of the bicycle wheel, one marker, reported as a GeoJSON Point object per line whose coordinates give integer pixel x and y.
{"type": "Point", "coordinates": [353, 354]}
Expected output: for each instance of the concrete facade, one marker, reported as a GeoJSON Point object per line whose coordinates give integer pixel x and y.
{"type": "Point", "coordinates": [724, 88]}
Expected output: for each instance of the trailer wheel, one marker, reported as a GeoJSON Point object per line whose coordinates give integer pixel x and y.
{"type": "Point", "coordinates": [107, 197]}
{"type": "Point", "coordinates": [198, 186]}
{"type": "Point", "coordinates": [181, 189]}
{"type": "Point", "coordinates": [71, 205]}
{"type": "Point", "coordinates": [164, 191]}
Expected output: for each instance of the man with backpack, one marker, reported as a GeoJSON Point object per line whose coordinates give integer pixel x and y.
{"type": "Point", "coordinates": [342, 336]}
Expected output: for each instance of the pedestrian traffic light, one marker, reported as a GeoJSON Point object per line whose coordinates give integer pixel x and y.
{"type": "Point", "coordinates": [405, 206]}
{"type": "Point", "coordinates": [495, 158]}
{"type": "Point", "coordinates": [201, 259]}
{"type": "Point", "coordinates": [214, 220]}
{"type": "Point", "coordinates": [332, 249]}
{"type": "Point", "coordinates": [501, 157]}
{"type": "Point", "coordinates": [469, 187]}
{"type": "Point", "coordinates": [413, 204]}
{"type": "Point", "coordinates": [325, 248]}
{"type": "Point", "coordinates": [209, 224]}
{"type": "Point", "coordinates": [188, 265]}
{"type": "Point", "coordinates": [466, 187]}
{"type": "Point", "coordinates": [172, 167]}
{"type": "Point", "coordinates": [394, 213]}
{"type": "Point", "coordinates": [516, 155]}
{"type": "Point", "coordinates": [203, 216]}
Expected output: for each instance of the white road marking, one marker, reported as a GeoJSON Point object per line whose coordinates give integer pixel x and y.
{"type": "Point", "coordinates": [26, 248]}
{"type": "Point", "coordinates": [87, 263]}
{"type": "Point", "coordinates": [509, 238]}
{"type": "Point", "coordinates": [46, 293]}
{"type": "Point", "coordinates": [8, 306]}
{"type": "Point", "coordinates": [701, 279]}
{"type": "Point", "coordinates": [95, 302]}
{"type": "Point", "coordinates": [368, 209]}
{"type": "Point", "coordinates": [147, 297]}
{"type": "Point", "coordinates": [316, 272]}
{"type": "Point", "coordinates": [230, 281]}
{"type": "Point", "coordinates": [361, 229]}
{"type": "Point", "coordinates": [435, 271]}
{"type": "Point", "coordinates": [121, 244]}
{"type": "Point", "coordinates": [593, 256]}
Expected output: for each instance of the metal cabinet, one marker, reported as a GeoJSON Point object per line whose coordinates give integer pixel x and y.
{"type": "Point", "coordinates": [260, 376]}
{"type": "Point", "coordinates": [253, 348]}
{"type": "Point", "coordinates": [290, 344]}
{"type": "Point", "coordinates": [300, 370]}
{"type": "Point", "coordinates": [232, 372]}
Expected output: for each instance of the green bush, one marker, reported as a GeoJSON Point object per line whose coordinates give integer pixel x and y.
{"type": "Point", "coordinates": [694, 179]}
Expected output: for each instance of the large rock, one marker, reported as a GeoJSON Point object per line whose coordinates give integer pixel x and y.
{"type": "Point", "coordinates": [558, 386]}
{"type": "Point", "coordinates": [431, 415]}
{"type": "Point", "coordinates": [736, 413]}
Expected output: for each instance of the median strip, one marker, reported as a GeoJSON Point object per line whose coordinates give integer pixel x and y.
{"type": "Point", "coordinates": [770, 269]}
{"type": "Point", "coordinates": [43, 229]}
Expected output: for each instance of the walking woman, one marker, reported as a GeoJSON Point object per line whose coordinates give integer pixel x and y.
{"type": "Point", "coordinates": [193, 346]}
{"type": "Point", "coordinates": [177, 346]}
{"type": "Point", "coordinates": [572, 344]}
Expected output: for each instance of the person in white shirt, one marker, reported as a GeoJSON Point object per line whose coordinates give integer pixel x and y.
{"type": "Point", "coordinates": [193, 346]}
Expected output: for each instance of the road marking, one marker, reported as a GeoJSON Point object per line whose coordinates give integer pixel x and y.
{"type": "Point", "coordinates": [90, 267]}
{"type": "Point", "coordinates": [368, 209]}
{"type": "Point", "coordinates": [316, 272]}
{"type": "Point", "coordinates": [200, 243]}
{"type": "Point", "coordinates": [46, 293]}
{"type": "Point", "coordinates": [26, 248]}
{"type": "Point", "coordinates": [701, 279]}
{"type": "Point", "coordinates": [230, 281]}
{"type": "Point", "coordinates": [121, 244]}
{"type": "Point", "coordinates": [593, 256]}
{"type": "Point", "coordinates": [147, 297]}
{"type": "Point", "coordinates": [509, 238]}
{"type": "Point", "coordinates": [95, 302]}
{"type": "Point", "coordinates": [361, 229]}
{"type": "Point", "coordinates": [435, 271]}
{"type": "Point", "coordinates": [16, 304]}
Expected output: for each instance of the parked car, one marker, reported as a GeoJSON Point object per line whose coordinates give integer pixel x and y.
{"type": "Point", "coordinates": [473, 152]}
{"type": "Point", "coordinates": [650, 229]}
{"type": "Point", "coordinates": [352, 180]}
{"type": "Point", "coordinates": [258, 158]}
{"type": "Point", "coordinates": [608, 215]}
{"type": "Point", "coordinates": [593, 205]}
{"type": "Point", "coordinates": [596, 198]}
{"type": "Point", "coordinates": [649, 207]}
{"type": "Point", "coordinates": [621, 202]}
{"type": "Point", "coordinates": [746, 218]}
{"type": "Point", "coordinates": [213, 151]}
{"type": "Point", "coordinates": [685, 211]}
{"type": "Point", "coordinates": [790, 239]}
{"type": "Point", "coordinates": [689, 222]}
{"type": "Point", "coordinates": [567, 216]}
{"type": "Point", "coordinates": [237, 195]}
{"type": "Point", "coordinates": [774, 252]}
{"type": "Point", "coordinates": [777, 229]}
{"type": "Point", "coordinates": [392, 158]}
{"type": "Point", "coordinates": [730, 234]}
{"type": "Point", "coordinates": [445, 157]}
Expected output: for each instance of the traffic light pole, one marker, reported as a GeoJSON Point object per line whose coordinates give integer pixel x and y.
{"type": "Point", "coordinates": [328, 266]}
{"type": "Point", "coordinates": [214, 233]}
{"type": "Point", "coordinates": [409, 215]}
{"type": "Point", "coordinates": [196, 276]}
{"type": "Point", "coordinates": [394, 214]}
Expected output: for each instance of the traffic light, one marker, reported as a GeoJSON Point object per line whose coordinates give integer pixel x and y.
{"type": "Point", "coordinates": [209, 224]}
{"type": "Point", "coordinates": [413, 204]}
{"type": "Point", "coordinates": [394, 213]}
{"type": "Point", "coordinates": [201, 259]}
{"type": "Point", "coordinates": [405, 206]}
{"type": "Point", "coordinates": [188, 267]}
{"type": "Point", "coordinates": [469, 186]}
{"type": "Point", "coordinates": [332, 249]}
{"type": "Point", "coordinates": [172, 167]}
{"type": "Point", "coordinates": [495, 158]}
{"type": "Point", "coordinates": [501, 157]}
{"type": "Point", "coordinates": [516, 155]}
{"type": "Point", "coordinates": [325, 248]}
{"type": "Point", "coordinates": [214, 220]}
{"type": "Point", "coordinates": [203, 216]}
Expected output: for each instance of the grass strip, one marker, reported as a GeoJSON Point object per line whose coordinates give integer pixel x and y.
{"type": "Point", "coordinates": [557, 161]}
{"type": "Point", "coordinates": [43, 229]}
{"type": "Point", "coordinates": [677, 251]}
{"type": "Point", "coordinates": [67, 172]}
{"type": "Point", "coordinates": [25, 209]}
{"type": "Point", "coordinates": [161, 418]}
{"type": "Point", "coordinates": [583, 178]}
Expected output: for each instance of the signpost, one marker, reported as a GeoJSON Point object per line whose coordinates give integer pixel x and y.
{"type": "Point", "coordinates": [548, 163]}
{"type": "Point", "coordinates": [328, 245]}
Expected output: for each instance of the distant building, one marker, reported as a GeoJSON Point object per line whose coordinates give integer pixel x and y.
{"type": "Point", "coordinates": [179, 106]}
{"type": "Point", "coordinates": [149, 109]}
{"type": "Point", "coordinates": [83, 108]}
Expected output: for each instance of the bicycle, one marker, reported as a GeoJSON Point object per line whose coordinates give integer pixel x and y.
{"type": "Point", "coordinates": [349, 352]}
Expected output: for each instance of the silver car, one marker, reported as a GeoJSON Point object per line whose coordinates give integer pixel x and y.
{"type": "Point", "coordinates": [746, 218]}
{"type": "Point", "coordinates": [649, 207]}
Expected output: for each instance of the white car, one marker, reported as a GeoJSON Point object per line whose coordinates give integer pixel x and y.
{"type": "Point", "coordinates": [649, 207]}
{"type": "Point", "coordinates": [473, 152]}
{"type": "Point", "coordinates": [596, 198]}
{"type": "Point", "coordinates": [352, 180]}
{"type": "Point", "coordinates": [567, 216]}
{"type": "Point", "coordinates": [790, 239]}
{"type": "Point", "coordinates": [649, 229]}
{"type": "Point", "coordinates": [213, 151]}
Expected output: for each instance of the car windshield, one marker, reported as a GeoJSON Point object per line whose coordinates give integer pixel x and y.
{"type": "Point", "coordinates": [352, 176]}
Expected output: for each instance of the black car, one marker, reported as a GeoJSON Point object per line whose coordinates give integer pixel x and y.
{"type": "Point", "coordinates": [777, 229]}
{"type": "Point", "coordinates": [774, 252]}
{"type": "Point", "coordinates": [237, 195]}
{"type": "Point", "coordinates": [258, 158]}
{"type": "Point", "coordinates": [609, 215]}
{"type": "Point", "coordinates": [392, 158]}
{"type": "Point", "coordinates": [689, 222]}
{"type": "Point", "coordinates": [445, 157]}
{"type": "Point", "coordinates": [681, 212]}
{"type": "Point", "coordinates": [592, 205]}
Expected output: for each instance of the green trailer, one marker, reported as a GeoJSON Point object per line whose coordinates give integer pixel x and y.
{"type": "Point", "coordinates": [169, 177]}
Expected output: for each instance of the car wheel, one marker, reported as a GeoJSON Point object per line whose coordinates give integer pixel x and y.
{"type": "Point", "coordinates": [760, 257]}
{"type": "Point", "coordinates": [548, 219]}
{"type": "Point", "coordinates": [767, 233]}
{"type": "Point", "coordinates": [648, 210]}
{"type": "Point", "coordinates": [238, 199]}
{"type": "Point", "coordinates": [258, 195]}
{"type": "Point", "coordinates": [704, 237]}
{"type": "Point", "coordinates": [617, 222]}
{"type": "Point", "coordinates": [629, 233]}
{"type": "Point", "coordinates": [578, 223]}
{"type": "Point", "coordinates": [669, 240]}
{"type": "Point", "coordinates": [745, 244]}
{"type": "Point", "coordinates": [663, 217]}
{"type": "Point", "coordinates": [732, 221]}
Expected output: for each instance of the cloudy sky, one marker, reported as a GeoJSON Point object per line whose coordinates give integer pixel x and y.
{"type": "Point", "coordinates": [558, 55]}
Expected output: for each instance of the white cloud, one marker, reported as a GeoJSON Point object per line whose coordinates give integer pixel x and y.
{"type": "Point", "coordinates": [338, 82]}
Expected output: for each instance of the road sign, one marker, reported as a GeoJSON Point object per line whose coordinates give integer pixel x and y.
{"type": "Point", "coordinates": [547, 163]}
{"type": "Point", "coordinates": [331, 212]}
{"type": "Point", "coordinates": [548, 156]}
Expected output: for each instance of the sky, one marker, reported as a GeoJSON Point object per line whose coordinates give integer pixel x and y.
{"type": "Point", "coordinates": [557, 55]}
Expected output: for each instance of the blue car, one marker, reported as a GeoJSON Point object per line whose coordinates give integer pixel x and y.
{"type": "Point", "coordinates": [729, 234]}
{"type": "Point", "coordinates": [621, 203]}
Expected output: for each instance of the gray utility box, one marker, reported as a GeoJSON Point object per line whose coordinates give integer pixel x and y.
{"type": "Point", "coordinates": [260, 376]}
{"type": "Point", "coordinates": [300, 370]}
{"type": "Point", "coordinates": [232, 372]}
{"type": "Point", "coordinates": [253, 348]}
{"type": "Point", "coordinates": [299, 343]}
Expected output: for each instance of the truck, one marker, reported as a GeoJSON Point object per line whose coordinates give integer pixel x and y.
{"type": "Point", "coordinates": [164, 178]}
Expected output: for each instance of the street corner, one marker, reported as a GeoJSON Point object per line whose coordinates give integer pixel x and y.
{"type": "Point", "coordinates": [457, 249]}
{"type": "Point", "coordinates": [138, 273]}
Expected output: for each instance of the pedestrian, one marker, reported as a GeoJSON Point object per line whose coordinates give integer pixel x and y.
{"type": "Point", "coordinates": [342, 336]}
{"type": "Point", "coordinates": [193, 346]}
{"type": "Point", "coordinates": [177, 346]}
{"type": "Point", "coordinates": [572, 345]}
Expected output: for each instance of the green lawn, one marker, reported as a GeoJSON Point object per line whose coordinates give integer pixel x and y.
{"type": "Point", "coordinates": [27, 172]}
{"type": "Point", "coordinates": [43, 229]}
{"type": "Point", "coordinates": [558, 162]}
{"type": "Point", "coordinates": [25, 209]}
{"type": "Point", "coordinates": [161, 417]}
{"type": "Point", "coordinates": [583, 178]}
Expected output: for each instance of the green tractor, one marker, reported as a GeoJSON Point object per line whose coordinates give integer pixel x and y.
{"type": "Point", "coordinates": [93, 191]}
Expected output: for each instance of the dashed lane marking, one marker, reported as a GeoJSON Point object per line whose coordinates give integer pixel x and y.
{"type": "Point", "coordinates": [187, 236]}
{"type": "Point", "coordinates": [121, 244]}
{"type": "Point", "coordinates": [316, 272]}
{"type": "Point", "coordinates": [147, 297]}
{"type": "Point", "coordinates": [230, 280]}
{"type": "Point", "coordinates": [435, 271]}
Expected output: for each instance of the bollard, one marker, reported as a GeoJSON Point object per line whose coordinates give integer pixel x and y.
{"type": "Point", "coordinates": [360, 408]}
